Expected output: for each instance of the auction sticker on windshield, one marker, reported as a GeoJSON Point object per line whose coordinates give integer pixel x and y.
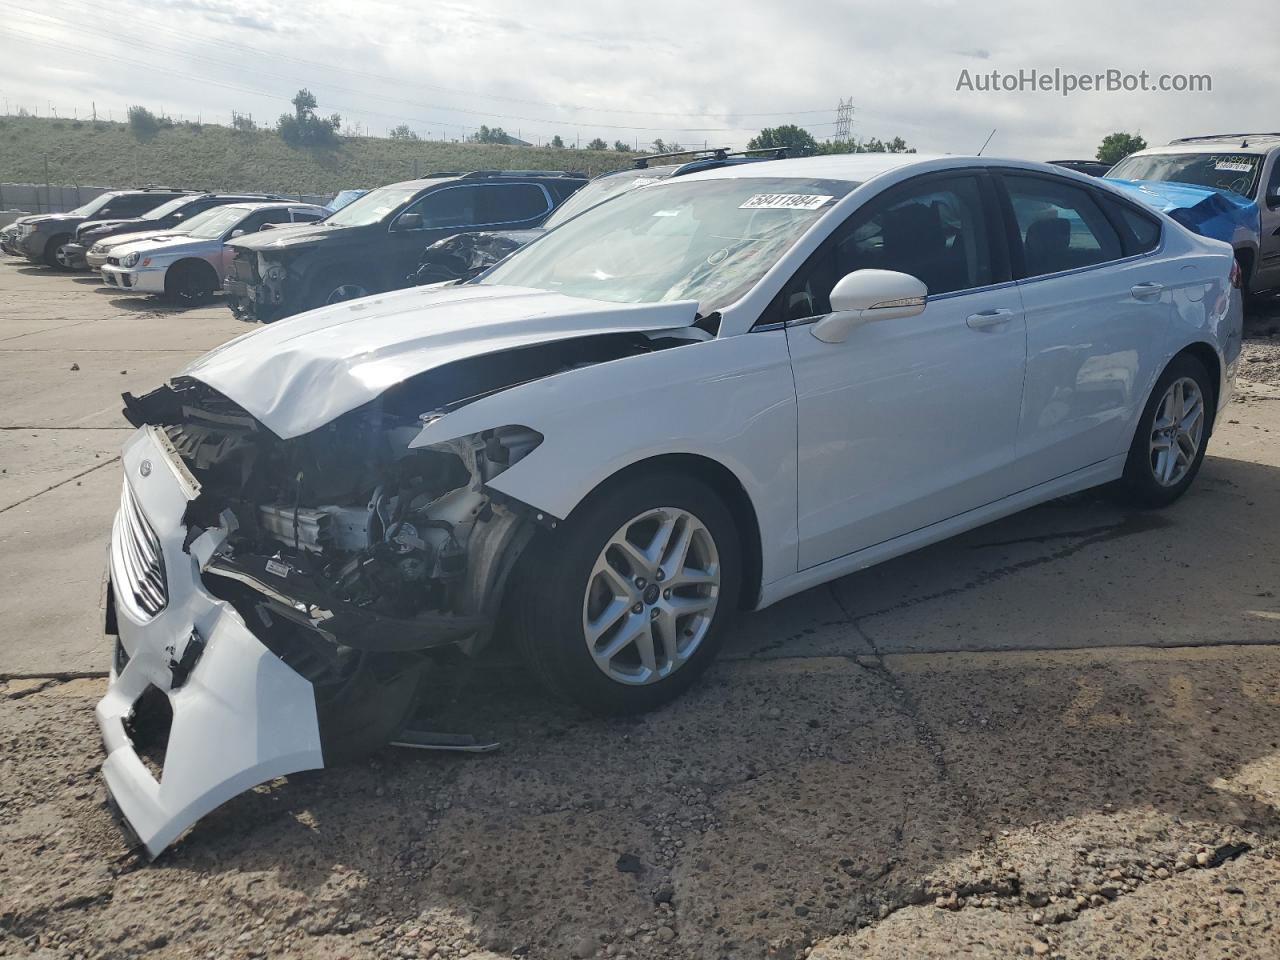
{"type": "Point", "coordinates": [785, 201]}
{"type": "Point", "coordinates": [1236, 166]}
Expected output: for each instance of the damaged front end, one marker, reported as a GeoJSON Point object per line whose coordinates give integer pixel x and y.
{"type": "Point", "coordinates": [256, 286]}
{"type": "Point", "coordinates": [282, 595]}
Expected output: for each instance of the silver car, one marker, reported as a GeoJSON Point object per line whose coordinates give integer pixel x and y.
{"type": "Point", "coordinates": [190, 266]}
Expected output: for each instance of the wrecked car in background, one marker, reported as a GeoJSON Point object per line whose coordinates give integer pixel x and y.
{"type": "Point", "coordinates": [1225, 186]}
{"type": "Point", "coordinates": [188, 267]}
{"type": "Point", "coordinates": [173, 215]}
{"type": "Point", "coordinates": [373, 243]}
{"type": "Point", "coordinates": [702, 396]}
{"type": "Point", "coordinates": [47, 237]}
{"type": "Point", "coordinates": [468, 255]}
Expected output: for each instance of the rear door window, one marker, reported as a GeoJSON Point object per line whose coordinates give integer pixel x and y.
{"type": "Point", "coordinates": [1059, 226]}
{"type": "Point", "coordinates": [512, 203]}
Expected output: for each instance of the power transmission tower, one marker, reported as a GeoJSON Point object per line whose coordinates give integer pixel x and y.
{"type": "Point", "coordinates": [844, 118]}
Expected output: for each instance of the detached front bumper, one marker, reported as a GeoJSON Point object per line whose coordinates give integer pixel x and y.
{"type": "Point", "coordinates": [240, 715]}
{"type": "Point", "coordinates": [140, 281]}
{"type": "Point", "coordinates": [76, 256]}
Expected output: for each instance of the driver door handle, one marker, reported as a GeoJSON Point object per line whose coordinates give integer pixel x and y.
{"type": "Point", "coordinates": [989, 318]}
{"type": "Point", "coordinates": [1146, 291]}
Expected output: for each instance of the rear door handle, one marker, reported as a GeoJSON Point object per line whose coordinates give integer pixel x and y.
{"type": "Point", "coordinates": [1146, 291]}
{"type": "Point", "coordinates": [989, 318]}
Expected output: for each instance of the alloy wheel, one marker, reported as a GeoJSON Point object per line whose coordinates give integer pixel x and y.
{"type": "Point", "coordinates": [651, 597]}
{"type": "Point", "coordinates": [1176, 431]}
{"type": "Point", "coordinates": [347, 291]}
{"type": "Point", "coordinates": [62, 257]}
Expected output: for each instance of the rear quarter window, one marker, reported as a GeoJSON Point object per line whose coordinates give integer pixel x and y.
{"type": "Point", "coordinates": [1140, 231]}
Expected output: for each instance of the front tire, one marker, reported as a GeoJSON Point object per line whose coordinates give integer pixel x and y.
{"type": "Point", "coordinates": [55, 252]}
{"type": "Point", "coordinates": [1173, 431]}
{"type": "Point", "coordinates": [626, 604]}
{"type": "Point", "coordinates": [190, 283]}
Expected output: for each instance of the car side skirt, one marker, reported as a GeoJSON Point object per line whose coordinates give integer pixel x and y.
{"type": "Point", "coordinates": [1091, 476]}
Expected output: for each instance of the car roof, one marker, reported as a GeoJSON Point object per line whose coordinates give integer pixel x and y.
{"type": "Point", "coordinates": [1260, 144]}
{"type": "Point", "coordinates": [861, 167]}
{"type": "Point", "coordinates": [249, 207]}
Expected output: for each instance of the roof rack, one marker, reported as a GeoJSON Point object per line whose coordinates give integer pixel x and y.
{"type": "Point", "coordinates": [716, 153]}
{"type": "Point", "coordinates": [467, 174]}
{"type": "Point", "coordinates": [1226, 136]}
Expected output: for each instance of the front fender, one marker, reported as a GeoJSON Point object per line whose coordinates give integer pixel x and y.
{"type": "Point", "coordinates": [731, 400]}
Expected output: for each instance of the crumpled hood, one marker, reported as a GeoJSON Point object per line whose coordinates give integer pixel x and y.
{"type": "Point", "coordinates": [301, 372]}
{"type": "Point", "coordinates": [298, 237]}
{"type": "Point", "coordinates": [1219, 214]}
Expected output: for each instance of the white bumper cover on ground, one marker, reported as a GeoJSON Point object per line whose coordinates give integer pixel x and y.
{"type": "Point", "coordinates": [241, 717]}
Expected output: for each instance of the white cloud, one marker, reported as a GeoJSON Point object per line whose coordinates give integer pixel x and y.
{"type": "Point", "coordinates": [615, 67]}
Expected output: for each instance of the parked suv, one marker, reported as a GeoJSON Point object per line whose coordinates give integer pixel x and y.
{"type": "Point", "coordinates": [44, 238]}
{"type": "Point", "coordinates": [373, 243]}
{"type": "Point", "coordinates": [168, 216]}
{"type": "Point", "coordinates": [1225, 186]}
{"type": "Point", "coordinates": [468, 255]}
{"type": "Point", "coordinates": [188, 267]}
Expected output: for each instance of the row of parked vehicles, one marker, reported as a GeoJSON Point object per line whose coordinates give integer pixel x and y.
{"type": "Point", "coordinates": [453, 226]}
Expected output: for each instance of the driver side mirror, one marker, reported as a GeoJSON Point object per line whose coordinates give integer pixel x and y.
{"type": "Point", "coordinates": [236, 233]}
{"type": "Point", "coordinates": [409, 221]}
{"type": "Point", "coordinates": [1273, 198]}
{"type": "Point", "coordinates": [865, 296]}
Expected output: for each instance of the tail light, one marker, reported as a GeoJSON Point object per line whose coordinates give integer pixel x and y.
{"type": "Point", "coordinates": [1236, 277]}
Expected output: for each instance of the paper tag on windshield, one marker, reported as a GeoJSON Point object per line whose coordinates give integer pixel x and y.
{"type": "Point", "coordinates": [1234, 166]}
{"type": "Point", "coordinates": [785, 201]}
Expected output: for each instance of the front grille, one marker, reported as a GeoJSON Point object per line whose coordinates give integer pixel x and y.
{"type": "Point", "coordinates": [137, 562]}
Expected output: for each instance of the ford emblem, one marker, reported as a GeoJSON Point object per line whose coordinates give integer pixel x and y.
{"type": "Point", "coordinates": [144, 468]}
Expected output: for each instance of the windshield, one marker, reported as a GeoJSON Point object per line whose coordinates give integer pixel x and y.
{"type": "Point", "coordinates": [597, 192]}
{"type": "Point", "coordinates": [373, 206]}
{"type": "Point", "coordinates": [703, 240]}
{"type": "Point", "coordinates": [1234, 172]}
{"type": "Point", "coordinates": [93, 206]}
{"type": "Point", "coordinates": [214, 222]}
{"type": "Point", "coordinates": [157, 213]}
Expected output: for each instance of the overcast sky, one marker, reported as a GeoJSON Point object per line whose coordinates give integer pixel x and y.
{"type": "Point", "coordinates": [711, 70]}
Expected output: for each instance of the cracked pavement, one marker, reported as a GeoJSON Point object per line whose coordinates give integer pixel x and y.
{"type": "Point", "coordinates": [1053, 736]}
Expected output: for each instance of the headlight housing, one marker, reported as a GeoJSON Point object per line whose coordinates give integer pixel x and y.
{"type": "Point", "coordinates": [26, 229]}
{"type": "Point", "coordinates": [131, 260]}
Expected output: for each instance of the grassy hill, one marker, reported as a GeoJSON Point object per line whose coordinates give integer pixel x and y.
{"type": "Point", "coordinates": [40, 150]}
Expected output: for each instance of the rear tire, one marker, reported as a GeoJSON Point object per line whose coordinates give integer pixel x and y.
{"type": "Point", "coordinates": [1172, 434]}
{"type": "Point", "coordinates": [582, 581]}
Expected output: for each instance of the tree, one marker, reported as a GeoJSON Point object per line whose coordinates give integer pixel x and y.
{"type": "Point", "coordinates": [621, 147]}
{"type": "Point", "coordinates": [557, 142]}
{"type": "Point", "coordinates": [144, 124]}
{"type": "Point", "coordinates": [1116, 146]}
{"type": "Point", "coordinates": [304, 128]}
{"type": "Point", "coordinates": [403, 132]}
{"type": "Point", "coordinates": [597, 144]}
{"type": "Point", "coordinates": [798, 141]}
{"type": "Point", "coordinates": [489, 135]}
{"type": "Point", "coordinates": [874, 145]}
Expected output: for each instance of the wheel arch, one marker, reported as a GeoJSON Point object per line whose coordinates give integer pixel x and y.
{"type": "Point", "coordinates": [1208, 356]}
{"type": "Point", "coordinates": [193, 263]}
{"type": "Point", "coordinates": [725, 483]}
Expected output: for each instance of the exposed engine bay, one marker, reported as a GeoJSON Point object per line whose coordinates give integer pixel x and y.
{"type": "Point", "coordinates": [349, 538]}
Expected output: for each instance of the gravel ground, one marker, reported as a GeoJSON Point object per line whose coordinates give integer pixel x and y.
{"type": "Point", "coordinates": [1073, 803]}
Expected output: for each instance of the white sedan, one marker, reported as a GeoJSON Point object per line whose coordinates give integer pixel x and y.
{"type": "Point", "coordinates": [702, 397]}
{"type": "Point", "coordinates": [189, 265]}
